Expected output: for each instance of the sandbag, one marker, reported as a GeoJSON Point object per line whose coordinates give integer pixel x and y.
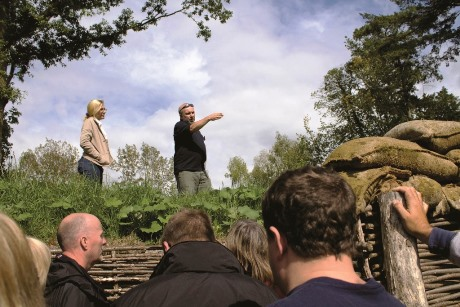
{"type": "Point", "coordinates": [435, 135]}
{"type": "Point", "coordinates": [374, 152]}
{"type": "Point", "coordinates": [368, 184]}
{"type": "Point", "coordinates": [454, 156]}
{"type": "Point", "coordinates": [452, 193]}
{"type": "Point", "coordinates": [432, 194]}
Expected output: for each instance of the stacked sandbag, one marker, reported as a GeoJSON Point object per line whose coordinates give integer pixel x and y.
{"type": "Point", "coordinates": [421, 153]}
{"type": "Point", "coordinates": [435, 135]}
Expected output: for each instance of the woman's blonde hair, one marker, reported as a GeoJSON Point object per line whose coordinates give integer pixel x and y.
{"type": "Point", "coordinates": [18, 287]}
{"type": "Point", "coordinates": [42, 258]}
{"type": "Point", "coordinates": [248, 241]}
{"type": "Point", "coordinates": [93, 107]}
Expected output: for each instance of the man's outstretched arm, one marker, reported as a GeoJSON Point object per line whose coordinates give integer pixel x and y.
{"type": "Point", "coordinates": [197, 125]}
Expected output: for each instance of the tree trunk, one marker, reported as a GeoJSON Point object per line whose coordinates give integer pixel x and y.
{"type": "Point", "coordinates": [4, 84]}
{"type": "Point", "coordinates": [402, 266]}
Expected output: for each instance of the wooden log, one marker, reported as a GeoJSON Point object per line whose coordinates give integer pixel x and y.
{"type": "Point", "coordinates": [402, 268]}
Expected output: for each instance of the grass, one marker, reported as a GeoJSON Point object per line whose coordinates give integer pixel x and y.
{"type": "Point", "coordinates": [129, 213]}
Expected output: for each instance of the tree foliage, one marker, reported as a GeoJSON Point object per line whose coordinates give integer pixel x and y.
{"type": "Point", "coordinates": [146, 166]}
{"type": "Point", "coordinates": [284, 154]}
{"type": "Point", "coordinates": [237, 172]}
{"type": "Point", "coordinates": [434, 25]}
{"type": "Point", "coordinates": [53, 31]}
{"type": "Point", "coordinates": [378, 87]}
{"type": "Point", "coordinates": [54, 161]}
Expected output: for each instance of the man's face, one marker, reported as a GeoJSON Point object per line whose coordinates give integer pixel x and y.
{"type": "Point", "coordinates": [188, 114]}
{"type": "Point", "coordinates": [96, 240]}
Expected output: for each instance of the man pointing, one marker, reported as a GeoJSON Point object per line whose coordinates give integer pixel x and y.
{"type": "Point", "coordinates": [190, 151]}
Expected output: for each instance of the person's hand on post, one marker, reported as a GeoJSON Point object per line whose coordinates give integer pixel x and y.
{"type": "Point", "coordinates": [413, 218]}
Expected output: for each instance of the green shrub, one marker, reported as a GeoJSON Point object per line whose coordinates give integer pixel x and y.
{"type": "Point", "coordinates": [125, 209]}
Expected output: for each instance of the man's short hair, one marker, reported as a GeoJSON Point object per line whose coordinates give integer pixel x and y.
{"type": "Point", "coordinates": [188, 225]}
{"type": "Point", "coordinates": [314, 208]}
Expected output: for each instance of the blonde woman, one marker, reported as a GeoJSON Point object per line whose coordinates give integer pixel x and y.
{"type": "Point", "coordinates": [42, 259]}
{"type": "Point", "coordinates": [248, 241]}
{"type": "Point", "coordinates": [18, 287]}
{"type": "Point", "coordinates": [94, 141]}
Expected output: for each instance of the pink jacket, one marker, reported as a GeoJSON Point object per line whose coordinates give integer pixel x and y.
{"type": "Point", "coordinates": [95, 145]}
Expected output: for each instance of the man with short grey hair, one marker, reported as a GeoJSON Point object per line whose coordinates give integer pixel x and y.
{"type": "Point", "coordinates": [81, 239]}
{"type": "Point", "coordinates": [190, 151]}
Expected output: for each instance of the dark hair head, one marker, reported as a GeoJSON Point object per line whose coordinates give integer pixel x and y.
{"type": "Point", "coordinates": [188, 225]}
{"type": "Point", "coordinates": [314, 208]}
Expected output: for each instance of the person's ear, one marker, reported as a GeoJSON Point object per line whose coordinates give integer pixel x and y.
{"type": "Point", "coordinates": [166, 246]}
{"type": "Point", "coordinates": [280, 240]}
{"type": "Point", "coordinates": [84, 243]}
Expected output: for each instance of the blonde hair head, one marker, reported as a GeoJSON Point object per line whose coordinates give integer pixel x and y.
{"type": "Point", "coordinates": [247, 240]}
{"type": "Point", "coordinates": [42, 258]}
{"type": "Point", "coordinates": [93, 107]}
{"type": "Point", "coordinates": [18, 288]}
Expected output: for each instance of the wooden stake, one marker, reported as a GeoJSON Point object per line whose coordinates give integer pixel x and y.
{"type": "Point", "coordinates": [402, 267]}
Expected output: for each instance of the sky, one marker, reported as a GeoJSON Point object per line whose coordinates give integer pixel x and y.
{"type": "Point", "coordinates": [259, 69]}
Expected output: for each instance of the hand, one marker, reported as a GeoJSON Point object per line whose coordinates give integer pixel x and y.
{"type": "Point", "coordinates": [413, 218]}
{"type": "Point", "coordinates": [215, 116]}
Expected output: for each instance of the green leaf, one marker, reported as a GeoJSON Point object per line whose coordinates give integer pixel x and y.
{"type": "Point", "coordinates": [61, 204]}
{"type": "Point", "coordinates": [249, 213]}
{"type": "Point", "coordinates": [225, 195]}
{"type": "Point", "coordinates": [145, 201]}
{"type": "Point", "coordinates": [113, 202]}
{"type": "Point", "coordinates": [164, 220]}
{"type": "Point", "coordinates": [154, 228]}
{"type": "Point", "coordinates": [160, 207]}
{"type": "Point", "coordinates": [20, 205]}
{"type": "Point", "coordinates": [23, 217]}
{"type": "Point", "coordinates": [125, 211]}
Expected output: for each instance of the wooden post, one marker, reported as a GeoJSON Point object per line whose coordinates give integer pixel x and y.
{"type": "Point", "coordinates": [402, 266]}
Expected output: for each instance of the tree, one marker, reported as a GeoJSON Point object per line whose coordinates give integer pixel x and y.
{"type": "Point", "coordinates": [377, 88]}
{"type": "Point", "coordinates": [157, 170]}
{"type": "Point", "coordinates": [127, 163]}
{"type": "Point", "coordinates": [237, 172]}
{"type": "Point", "coordinates": [285, 154]}
{"type": "Point", "coordinates": [55, 161]}
{"type": "Point", "coordinates": [146, 166]}
{"type": "Point", "coordinates": [53, 31]}
{"type": "Point", "coordinates": [441, 105]}
{"type": "Point", "coordinates": [434, 24]}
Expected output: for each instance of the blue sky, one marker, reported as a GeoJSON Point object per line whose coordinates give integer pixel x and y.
{"type": "Point", "coordinates": [259, 69]}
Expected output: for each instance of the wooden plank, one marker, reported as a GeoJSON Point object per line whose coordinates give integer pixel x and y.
{"type": "Point", "coordinates": [402, 268]}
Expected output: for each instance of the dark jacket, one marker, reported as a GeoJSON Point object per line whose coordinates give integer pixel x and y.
{"type": "Point", "coordinates": [198, 274]}
{"type": "Point", "coordinates": [69, 285]}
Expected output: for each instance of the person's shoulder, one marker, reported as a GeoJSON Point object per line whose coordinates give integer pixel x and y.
{"type": "Point", "coordinates": [67, 294]}
{"type": "Point", "coordinates": [134, 295]}
{"type": "Point", "coordinates": [182, 123]}
{"type": "Point", "coordinates": [181, 127]}
{"type": "Point", "coordinates": [89, 121]}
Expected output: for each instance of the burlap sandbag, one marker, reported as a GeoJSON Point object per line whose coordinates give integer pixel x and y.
{"type": "Point", "coordinates": [454, 155]}
{"type": "Point", "coordinates": [435, 135]}
{"type": "Point", "coordinates": [368, 184]}
{"type": "Point", "coordinates": [452, 193]}
{"type": "Point", "coordinates": [373, 152]}
{"type": "Point", "coordinates": [432, 194]}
